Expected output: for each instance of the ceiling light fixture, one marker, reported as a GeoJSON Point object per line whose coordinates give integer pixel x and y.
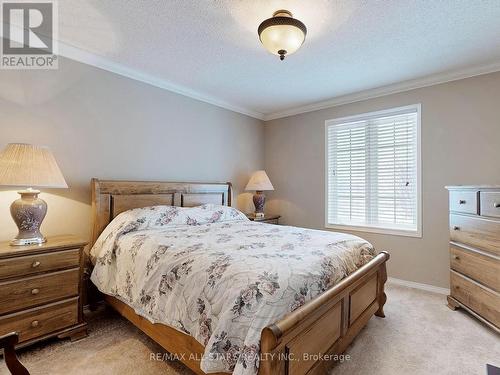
{"type": "Point", "coordinates": [282, 34]}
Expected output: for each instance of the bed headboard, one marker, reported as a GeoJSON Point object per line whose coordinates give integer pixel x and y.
{"type": "Point", "coordinates": [110, 197]}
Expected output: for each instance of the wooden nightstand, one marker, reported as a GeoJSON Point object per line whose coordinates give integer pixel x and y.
{"type": "Point", "coordinates": [269, 219]}
{"type": "Point", "coordinates": [41, 288]}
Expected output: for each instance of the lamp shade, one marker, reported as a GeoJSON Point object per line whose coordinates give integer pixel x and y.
{"type": "Point", "coordinates": [30, 166]}
{"type": "Point", "coordinates": [259, 181]}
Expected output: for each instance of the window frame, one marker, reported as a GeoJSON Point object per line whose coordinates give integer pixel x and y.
{"type": "Point", "coordinates": [373, 228]}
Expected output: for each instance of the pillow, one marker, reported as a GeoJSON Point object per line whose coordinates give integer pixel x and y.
{"type": "Point", "coordinates": [212, 213]}
{"type": "Point", "coordinates": [161, 216]}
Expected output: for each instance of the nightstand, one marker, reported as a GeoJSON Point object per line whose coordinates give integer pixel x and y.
{"type": "Point", "coordinates": [41, 289]}
{"type": "Point", "coordinates": [268, 219]}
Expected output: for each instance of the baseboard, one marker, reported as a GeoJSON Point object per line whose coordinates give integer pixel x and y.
{"type": "Point", "coordinates": [414, 285]}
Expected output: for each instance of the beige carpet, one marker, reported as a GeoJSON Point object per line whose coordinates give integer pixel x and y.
{"type": "Point", "coordinates": [420, 335]}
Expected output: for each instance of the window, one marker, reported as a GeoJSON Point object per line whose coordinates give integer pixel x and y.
{"type": "Point", "coordinates": [373, 172]}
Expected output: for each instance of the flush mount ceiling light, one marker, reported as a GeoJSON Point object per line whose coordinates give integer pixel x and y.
{"type": "Point", "coordinates": [282, 34]}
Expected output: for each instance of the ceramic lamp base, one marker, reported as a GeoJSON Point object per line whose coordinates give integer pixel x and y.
{"type": "Point", "coordinates": [28, 213]}
{"type": "Point", "coordinates": [259, 200]}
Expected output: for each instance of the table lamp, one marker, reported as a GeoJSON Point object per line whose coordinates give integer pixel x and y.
{"type": "Point", "coordinates": [29, 166]}
{"type": "Point", "coordinates": [259, 182]}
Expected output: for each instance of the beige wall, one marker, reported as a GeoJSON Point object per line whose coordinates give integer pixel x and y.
{"type": "Point", "coordinates": [460, 145]}
{"type": "Point", "coordinates": [99, 124]}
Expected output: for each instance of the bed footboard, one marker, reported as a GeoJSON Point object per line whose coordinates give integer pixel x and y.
{"type": "Point", "coordinates": [309, 340]}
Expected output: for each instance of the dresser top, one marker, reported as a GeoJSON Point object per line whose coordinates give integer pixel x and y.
{"type": "Point", "coordinates": [474, 187]}
{"type": "Point", "coordinates": [66, 241]}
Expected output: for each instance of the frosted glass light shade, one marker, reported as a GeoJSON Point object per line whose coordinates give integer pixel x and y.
{"type": "Point", "coordinates": [259, 182]}
{"type": "Point", "coordinates": [30, 166]}
{"type": "Point", "coordinates": [282, 35]}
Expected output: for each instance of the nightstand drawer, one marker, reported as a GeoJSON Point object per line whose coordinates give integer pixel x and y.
{"type": "Point", "coordinates": [270, 221]}
{"type": "Point", "coordinates": [36, 290]}
{"type": "Point", "coordinates": [41, 320]}
{"type": "Point", "coordinates": [28, 265]}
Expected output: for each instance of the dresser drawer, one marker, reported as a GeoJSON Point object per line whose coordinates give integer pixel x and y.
{"type": "Point", "coordinates": [464, 201]}
{"type": "Point", "coordinates": [27, 265]}
{"type": "Point", "coordinates": [481, 300]}
{"type": "Point", "coordinates": [490, 203]}
{"type": "Point", "coordinates": [475, 231]}
{"type": "Point", "coordinates": [41, 320]}
{"type": "Point", "coordinates": [478, 267]}
{"type": "Point", "coordinates": [36, 290]}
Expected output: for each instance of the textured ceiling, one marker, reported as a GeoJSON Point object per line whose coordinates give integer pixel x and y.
{"type": "Point", "coordinates": [210, 49]}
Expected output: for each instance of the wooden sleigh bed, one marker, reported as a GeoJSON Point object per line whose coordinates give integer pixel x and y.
{"type": "Point", "coordinates": [303, 342]}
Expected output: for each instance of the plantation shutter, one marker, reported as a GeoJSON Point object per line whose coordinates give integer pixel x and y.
{"type": "Point", "coordinates": [372, 171]}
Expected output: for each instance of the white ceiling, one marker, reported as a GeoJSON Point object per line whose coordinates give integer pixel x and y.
{"type": "Point", "coordinates": [209, 49]}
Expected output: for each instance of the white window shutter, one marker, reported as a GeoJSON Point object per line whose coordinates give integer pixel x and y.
{"type": "Point", "coordinates": [372, 170]}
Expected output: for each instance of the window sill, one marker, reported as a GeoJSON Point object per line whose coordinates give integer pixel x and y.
{"type": "Point", "coordinates": [388, 231]}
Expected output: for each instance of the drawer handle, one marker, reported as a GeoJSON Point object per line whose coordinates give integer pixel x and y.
{"type": "Point", "coordinates": [34, 323]}
{"type": "Point", "coordinates": [35, 291]}
{"type": "Point", "coordinates": [456, 228]}
{"type": "Point", "coordinates": [496, 205]}
{"type": "Point", "coordinates": [461, 201]}
{"type": "Point", "coordinates": [456, 257]}
{"type": "Point", "coordinates": [35, 264]}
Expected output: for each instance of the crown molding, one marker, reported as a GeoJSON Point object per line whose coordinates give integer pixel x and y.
{"type": "Point", "coordinates": [388, 90]}
{"type": "Point", "coordinates": [74, 53]}
{"type": "Point", "coordinates": [77, 54]}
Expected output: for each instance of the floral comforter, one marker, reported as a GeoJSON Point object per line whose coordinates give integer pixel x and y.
{"type": "Point", "coordinates": [210, 272]}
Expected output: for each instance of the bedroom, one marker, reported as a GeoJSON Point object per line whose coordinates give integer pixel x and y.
{"type": "Point", "coordinates": [157, 92]}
